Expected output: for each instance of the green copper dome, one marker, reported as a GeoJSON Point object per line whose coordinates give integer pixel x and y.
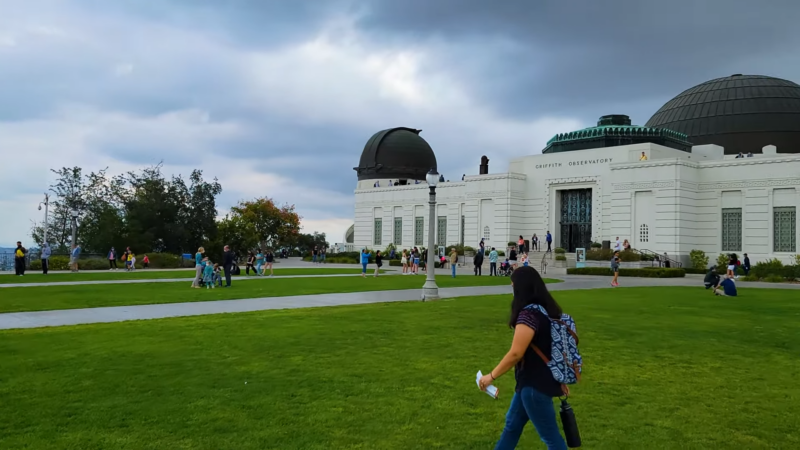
{"type": "Point", "coordinates": [613, 131]}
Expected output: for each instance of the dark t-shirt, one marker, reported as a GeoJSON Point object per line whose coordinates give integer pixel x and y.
{"type": "Point", "coordinates": [379, 260]}
{"type": "Point", "coordinates": [269, 257]}
{"type": "Point", "coordinates": [532, 371]}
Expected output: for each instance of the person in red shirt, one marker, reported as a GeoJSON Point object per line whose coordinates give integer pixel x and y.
{"type": "Point", "coordinates": [145, 262]}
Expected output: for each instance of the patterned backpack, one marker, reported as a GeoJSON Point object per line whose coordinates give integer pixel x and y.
{"type": "Point", "coordinates": [566, 363]}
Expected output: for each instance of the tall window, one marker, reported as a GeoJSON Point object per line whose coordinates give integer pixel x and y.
{"type": "Point", "coordinates": [731, 229]}
{"type": "Point", "coordinates": [419, 230]}
{"type": "Point", "coordinates": [486, 234]}
{"type": "Point", "coordinates": [644, 233]}
{"type": "Point", "coordinates": [463, 223]}
{"type": "Point", "coordinates": [441, 230]}
{"type": "Point", "coordinates": [378, 232]}
{"type": "Point", "coordinates": [398, 231]}
{"type": "Point", "coordinates": [784, 222]}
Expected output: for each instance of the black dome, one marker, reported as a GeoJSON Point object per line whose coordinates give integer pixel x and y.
{"type": "Point", "coordinates": [396, 153]}
{"type": "Point", "coordinates": [742, 113]}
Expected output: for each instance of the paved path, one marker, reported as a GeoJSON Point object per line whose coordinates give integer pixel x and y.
{"type": "Point", "coordinates": [38, 319]}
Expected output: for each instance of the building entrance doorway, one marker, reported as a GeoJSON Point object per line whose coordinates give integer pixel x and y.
{"type": "Point", "coordinates": [576, 219]}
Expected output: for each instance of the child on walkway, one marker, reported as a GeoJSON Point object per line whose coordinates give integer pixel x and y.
{"type": "Point", "coordinates": [145, 262]}
{"type": "Point", "coordinates": [208, 274]}
{"type": "Point", "coordinates": [132, 260]}
{"type": "Point", "coordinates": [259, 262]}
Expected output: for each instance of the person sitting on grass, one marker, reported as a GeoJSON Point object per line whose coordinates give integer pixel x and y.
{"type": "Point", "coordinates": [712, 279]}
{"type": "Point", "coordinates": [208, 274]}
{"type": "Point", "coordinates": [726, 287]}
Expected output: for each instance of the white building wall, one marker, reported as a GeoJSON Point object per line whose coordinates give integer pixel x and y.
{"type": "Point", "coordinates": [688, 194]}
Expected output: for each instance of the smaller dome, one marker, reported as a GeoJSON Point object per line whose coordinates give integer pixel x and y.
{"type": "Point", "coordinates": [396, 153]}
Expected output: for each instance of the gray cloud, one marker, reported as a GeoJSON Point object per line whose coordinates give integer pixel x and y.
{"type": "Point", "coordinates": [224, 85]}
{"type": "Point", "coordinates": [527, 57]}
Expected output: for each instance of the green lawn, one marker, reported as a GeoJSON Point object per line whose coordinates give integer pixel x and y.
{"type": "Point", "coordinates": [664, 368]}
{"type": "Point", "coordinates": [94, 295]}
{"type": "Point", "coordinates": [152, 275]}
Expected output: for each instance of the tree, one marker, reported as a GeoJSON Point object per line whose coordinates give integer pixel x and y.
{"type": "Point", "coordinates": [306, 242]}
{"type": "Point", "coordinates": [265, 223]}
{"type": "Point", "coordinates": [143, 210]}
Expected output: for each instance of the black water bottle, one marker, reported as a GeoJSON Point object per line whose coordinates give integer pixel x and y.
{"type": "Point", "coordinates": [570, 425]}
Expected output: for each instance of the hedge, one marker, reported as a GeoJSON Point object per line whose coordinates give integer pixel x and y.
{"type": "Point", "coordinates": [606, 255]}
{"type": "Point", "coordinates": [649, 272]}
{"type": "Point", "coordinates": [157, 261]}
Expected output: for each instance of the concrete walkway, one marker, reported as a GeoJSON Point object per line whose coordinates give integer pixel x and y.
{"type": "Point", "coordinates": [169, 280]}
{"type": "Point", "coordinates": [38, 319]}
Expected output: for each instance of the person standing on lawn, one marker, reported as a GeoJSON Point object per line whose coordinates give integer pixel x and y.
{"type": "Point", "coordinates": [615, 269]}
{"type": "Point", "coordinates": [378, 263]}
{"type": "Point", "coordinates": [198, 267]}
{"type": "Point", "coordinates": [74, 255]}
{"type": "Point", "coordinates": [227, 265]}
{"type": "Point", "coordinates": [145, 262]}
{"type": "Point", "coordinates": [364, 262]}
{"type": "Point", "coordinates": [112, 259]}
{"type": "Point", "coordinates": [536, 387]}
{"type": "Point", "coordinates": [251, 258]}
{"type": "Point", "coordinates": [478, 261]}
{"type": "Point", "coordinates": [19, 259]}
{"type": "Point", "coordinates": [269, 259]}
{"type": "Point", "coordinates": [259, 262]}
{"type": "Point", "coordinates": [46, 252]}
{"type": "Point", "coordinates": [453, 260]}
{"type": "Point", "coordinates": [493, 263]}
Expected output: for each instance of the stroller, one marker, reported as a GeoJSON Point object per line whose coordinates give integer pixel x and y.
{"type": "Point", "coordinates": [505, 269]}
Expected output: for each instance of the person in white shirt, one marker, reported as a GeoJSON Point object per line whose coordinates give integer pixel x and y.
{"type": "Point", "coordinates": [618, 246]}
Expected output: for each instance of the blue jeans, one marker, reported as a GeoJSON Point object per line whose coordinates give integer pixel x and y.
{"type": "Point", "coordinates": [363, 267]}
{"type": "Point", "coordinates": [453, 266]}
{"type": "Point", "coordinates": [530, 404]}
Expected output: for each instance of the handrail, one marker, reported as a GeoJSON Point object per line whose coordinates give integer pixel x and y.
{"type": "Point", "coordinates": [658, 257]}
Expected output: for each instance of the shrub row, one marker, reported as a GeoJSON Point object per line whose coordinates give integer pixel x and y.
{"type": "Point", "coordinates": [157, 261]}
{"type": "Point", "coordinates": [598, 254]}
{"type": "Point", "coordinates": [648, 272]}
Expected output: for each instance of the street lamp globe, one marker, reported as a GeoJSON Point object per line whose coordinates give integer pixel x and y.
{"type": "Point", "coordinates": [432, 177]}
{"type": "Point", "coordinates": [74, 213]}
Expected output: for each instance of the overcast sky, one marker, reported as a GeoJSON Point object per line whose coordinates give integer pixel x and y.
{"type": "Point", "coordinates": [277, 98]}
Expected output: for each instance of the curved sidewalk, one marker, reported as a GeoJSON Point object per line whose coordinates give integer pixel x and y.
{"type": "Point", "coordinates": [63, 317]}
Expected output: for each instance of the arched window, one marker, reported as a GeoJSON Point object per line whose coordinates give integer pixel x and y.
{"type": "Point", "coordinates": [644, 233]}
{"type": "Point", "coordinates": [486, 233]}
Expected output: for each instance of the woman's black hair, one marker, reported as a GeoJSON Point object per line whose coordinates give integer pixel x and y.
{"type": "Point", "coordinates": [529, 288]}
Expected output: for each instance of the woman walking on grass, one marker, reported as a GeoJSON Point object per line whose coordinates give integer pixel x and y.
{"type": "Point", "coordinates": [198, 267]}
{"type": "Point", "coordinates": [536, 387]}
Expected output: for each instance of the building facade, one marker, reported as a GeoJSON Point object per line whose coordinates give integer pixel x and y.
{"type": "Point", "coordinates": [672, 201]}
{"type": "Point", "coordinates": [651, 185]}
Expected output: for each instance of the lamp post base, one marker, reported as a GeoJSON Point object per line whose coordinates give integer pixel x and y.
{"type": "Point", "coordinates": [430, 291]}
